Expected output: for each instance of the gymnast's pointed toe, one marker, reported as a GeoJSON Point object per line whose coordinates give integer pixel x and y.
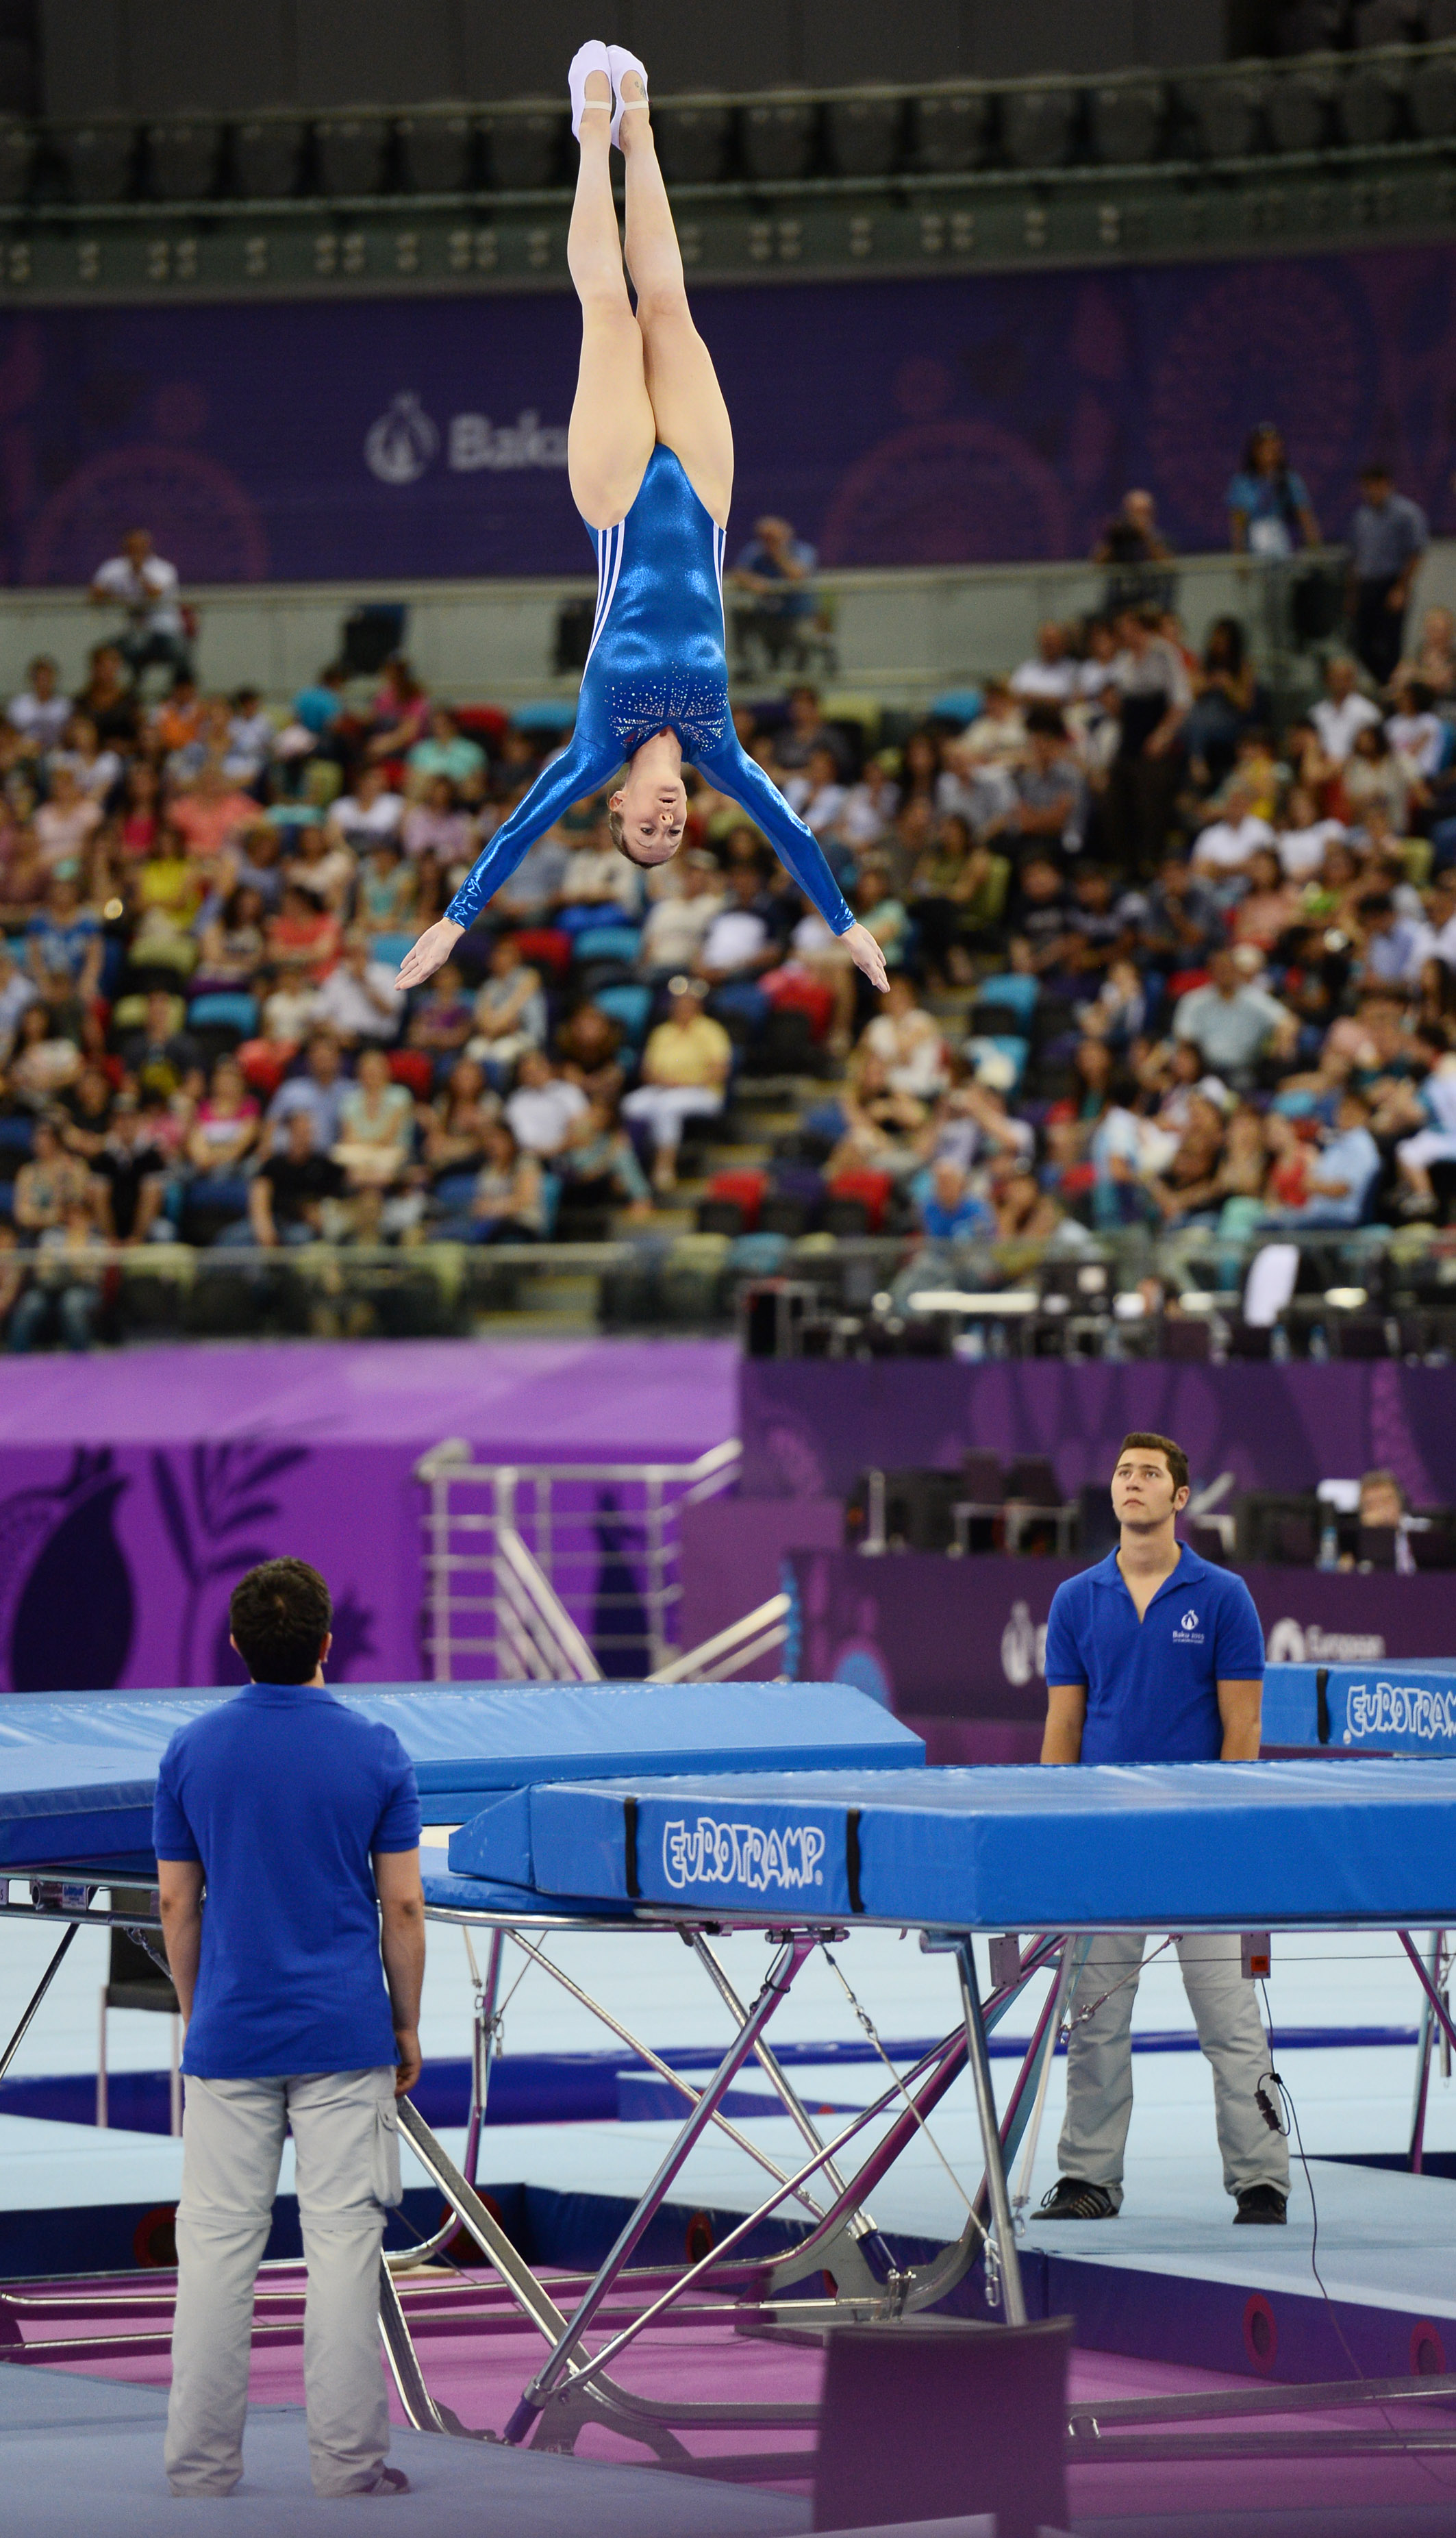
{"type": "Point", "coordinates": [592, 56]}
{"type": "Point", "coordinates": [624, 64]}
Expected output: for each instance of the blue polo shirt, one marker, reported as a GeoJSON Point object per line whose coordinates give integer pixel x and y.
{"type": "Point", "coordinates": [283, 1793]}
{"type": "Point", "coordinates": [1151, 1686]}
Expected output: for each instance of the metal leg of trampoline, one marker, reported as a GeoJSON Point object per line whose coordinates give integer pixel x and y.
{"type": "Point", "coordinates": [482, 2045]}
{"type": "Point", "coordinates": [776, 1988]}
{"type": "Point", "coordinates": [861, 2222]}
{"type": "Point", "coordinates": [654, 2062]}
{"type": "Point", "coordinates": [1438, 2007]}
{"type": "Point", "coordinates": [1003, 2234]}
{"type": "Point", "coordinates": [36, 1997]}
{"type": "Point", "coordinates": [1435, 1959]}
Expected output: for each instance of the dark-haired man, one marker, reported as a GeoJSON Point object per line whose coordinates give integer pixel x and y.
{"type": "Point", "coordinates": [301, 1819]}
{"type": "Point", "coordinates": [1155, 1656]}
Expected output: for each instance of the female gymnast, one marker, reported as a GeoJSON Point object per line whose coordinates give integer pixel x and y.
{"type": "Point", "coordinates": [649, 455]}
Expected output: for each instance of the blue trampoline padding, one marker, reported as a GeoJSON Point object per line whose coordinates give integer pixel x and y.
{"type": "Point", "coordinates": [757, 1727]}
{"type": "Point", "coordinates": [1149, 1846]}
{"type": "Point", "coordinates": [445, 1893]}
{"type": "Point", "coordinates": [467, 1742]}
{"type": "Point", "coordinates": [1395, 1707]}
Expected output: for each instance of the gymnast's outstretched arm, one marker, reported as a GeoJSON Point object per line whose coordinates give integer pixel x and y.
{"type": "Point", "coordinates": [797, 847]}
{"type": "Point", "coordinates": [582, 769]}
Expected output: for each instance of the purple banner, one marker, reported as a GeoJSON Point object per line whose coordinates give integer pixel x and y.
{"type": "Point", "coordinates": [810, 1426]}
{"type": "Point", "coordinates": [955, 420]}
{"type": "Point", "coordinates": [135, 1490]}
{"type": "Point", "coordinates": [946, 1641]}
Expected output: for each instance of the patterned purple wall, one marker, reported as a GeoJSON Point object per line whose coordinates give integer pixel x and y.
{"type": "Point", "coordinates": [943, 421]}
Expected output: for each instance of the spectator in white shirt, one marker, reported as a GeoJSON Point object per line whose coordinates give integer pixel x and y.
{"type": "Point", "coordinates": [817, 792]}
{"type": "Point", "coordinates": [250, 738]}
{"type": "Point", "coordinates": [1342, 711]}
{"type": "Point", "coordinates": [672, 935]}
{"type": "Point", "coordinates": [359, 819]}
{"type": "Point", "coordinates": [1225, 845]}
{"type": "Point", "coordinates": [1302, 835]}
{"type": "Point", "coordinates": [543, 1107]}
{"type": "Point", "coordinates": [1050, 677]}
{"type": "Point", "coordinates": [145, 586]}
{"type": "Point", "coordinates": [737, 944]}
{"type": "Point", "coordinates": [1417, 734]}
{"type": "Point", "coordinates": [39, 713]}
{"type": "Point", "coordinates": [358, 999]}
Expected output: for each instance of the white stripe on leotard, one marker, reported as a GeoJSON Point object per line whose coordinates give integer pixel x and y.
{"type": "Point", "coordinates": [720, 540]}
{"type": "Point", "coordinates": [610, 543]}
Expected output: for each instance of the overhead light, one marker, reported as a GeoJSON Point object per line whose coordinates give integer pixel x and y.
{"type": "Point", "coordinates": [777, 137]}
{"type": "Point", "coordinates": [1346, 1299]}
{"type": "Point", "coordinates": [1039, 126]}
{"type": "Point", "coordinates": [1128, 123]}
{"type": "Point", "coordinates": [100, 160]}
{"type": "Point", "coordinates": [693, 141]}
{"type": "Point", "coordinates": [182, 159]}
{"type": "Point", "coordinates": [353, 154]}
{"type": "Point", "coordinates": [268, 156]}
{"type": "Point", "coordinates": [436, 153]}
{"type": "Point", "coordinates": [525, 150]}
{"type": "Point", "coordinates": [865, 134]}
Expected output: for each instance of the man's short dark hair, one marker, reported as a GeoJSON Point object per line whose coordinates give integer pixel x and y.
{"type": "Point", "coordinates": [280, 1616]}
{"type": "Point", "coordinates": [1145, 1441]}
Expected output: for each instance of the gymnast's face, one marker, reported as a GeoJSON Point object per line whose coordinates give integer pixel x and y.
{"type": "Point", "coordinates": [653, 806]}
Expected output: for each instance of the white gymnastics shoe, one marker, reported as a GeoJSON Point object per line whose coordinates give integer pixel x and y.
{"type": "Point", "coordinates": [594, 57]}
{"type": "Point", "coordinates": [622, 62]}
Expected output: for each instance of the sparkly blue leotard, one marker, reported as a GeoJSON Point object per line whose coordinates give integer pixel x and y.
{"type": "Point", "coordinates": [656, 663]}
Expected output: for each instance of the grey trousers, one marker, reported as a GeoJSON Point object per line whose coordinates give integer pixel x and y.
{"type": "Point", "coordinates": [1099, 2061]}
{"type": "Point", "coordinates": [346, 2142]}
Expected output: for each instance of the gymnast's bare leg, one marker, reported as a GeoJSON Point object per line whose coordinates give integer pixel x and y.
{"type": "Point", "coordinates": [612, 431]}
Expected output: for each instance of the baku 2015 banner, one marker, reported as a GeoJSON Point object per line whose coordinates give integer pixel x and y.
{"type": "Point", "coordinates": [985, 419]}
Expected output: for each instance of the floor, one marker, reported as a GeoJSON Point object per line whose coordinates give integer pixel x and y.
{"type": "Point", "coordinates": [1385, 2241]}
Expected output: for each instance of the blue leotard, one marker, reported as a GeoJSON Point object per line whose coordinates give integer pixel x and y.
{"type": "Point", "coordinates": [656, 663]}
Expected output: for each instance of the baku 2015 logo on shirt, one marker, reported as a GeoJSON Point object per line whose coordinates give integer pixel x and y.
{"type": "Point", "coordinates": [1188, 1634]}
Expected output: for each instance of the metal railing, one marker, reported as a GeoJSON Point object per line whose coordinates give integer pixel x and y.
{"type": "Point", "coordinates": [556, 1571]}
{"type": "Point", "coordinates": [719, 1659]}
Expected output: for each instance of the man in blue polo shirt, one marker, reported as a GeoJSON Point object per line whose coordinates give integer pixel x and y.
{"type": "Point", "coordinates": [300, 1979]}
{"type": "Point", "coordinates": [1153, 1656]}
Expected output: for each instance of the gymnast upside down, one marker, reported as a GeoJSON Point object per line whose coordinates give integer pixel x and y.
{"type": "Point", "coordinates": [649, 456]}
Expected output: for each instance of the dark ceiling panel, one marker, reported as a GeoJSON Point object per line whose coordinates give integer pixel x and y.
{"type": "Point", "coordinates": [180, 55]}
{"type": "Point", "coordinates": [82, 57]}
{"type": "Point", "coordinates": [376, 52]}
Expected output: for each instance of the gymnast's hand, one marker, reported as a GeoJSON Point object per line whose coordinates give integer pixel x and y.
{"type": "Point", "coordinates": [433, 950]}
{"type": "Point", "coordinates": [859, 942]}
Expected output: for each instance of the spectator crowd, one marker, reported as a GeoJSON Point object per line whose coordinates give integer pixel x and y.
{"type": "Point", "coordinates": [1155, 958]}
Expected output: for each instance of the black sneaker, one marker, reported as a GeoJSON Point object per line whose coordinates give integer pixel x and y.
{"type": "Point", "coordinates": [1072, 2199]}
{"type": "Point", "coordinates": [1263, 2204]}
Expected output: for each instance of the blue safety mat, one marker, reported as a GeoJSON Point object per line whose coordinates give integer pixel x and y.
{"type": "Point", "coordinates": [1151, 1845]}
{"type": "Point", "coordinates": [1395, 1707]}
{"type": "Point", "coordinates": [446, 1894]}
{"type": "Point", "coordinates": [467, 1743]}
